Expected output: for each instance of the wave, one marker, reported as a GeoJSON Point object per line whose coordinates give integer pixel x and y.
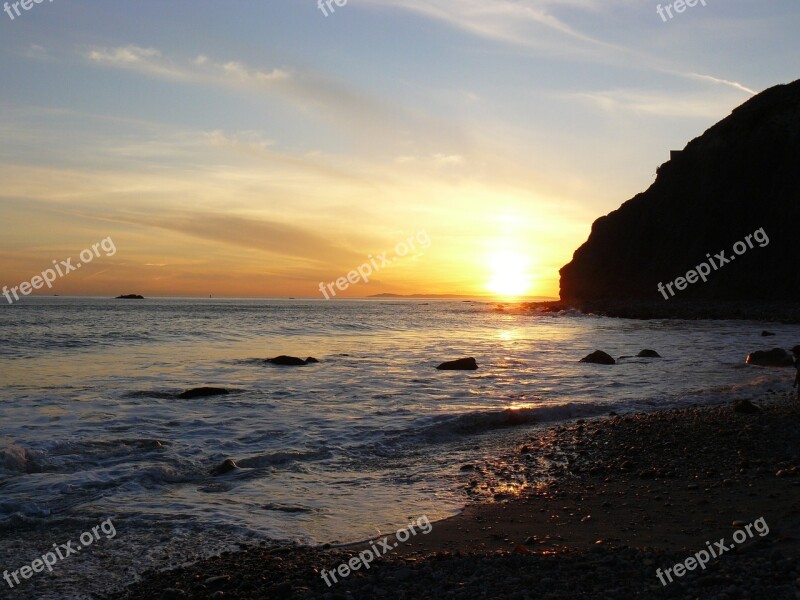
{"type": "Point", "coordinates": [474, 423]}
{"type": "Point", "coordinates": [16, 459]}
{"type": "Point", "coordinates": [281, 458]}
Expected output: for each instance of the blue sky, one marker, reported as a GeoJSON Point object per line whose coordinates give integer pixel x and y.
{"type": "Point", "coordinates": [258, 148]}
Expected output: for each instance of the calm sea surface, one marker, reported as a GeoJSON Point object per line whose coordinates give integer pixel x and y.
{"type": "Point", "coordinates": [342, 450]}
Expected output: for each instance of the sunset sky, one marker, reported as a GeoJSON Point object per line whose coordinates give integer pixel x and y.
{"type": "Point", "coordinates": [258, 148]}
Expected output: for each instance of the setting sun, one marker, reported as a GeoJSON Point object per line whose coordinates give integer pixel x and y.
{"type": "Point", "coordinates": [510, 275]}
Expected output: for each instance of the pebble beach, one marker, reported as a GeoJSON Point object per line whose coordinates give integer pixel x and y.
{"type": "Point", "coordinates": [585, 509]}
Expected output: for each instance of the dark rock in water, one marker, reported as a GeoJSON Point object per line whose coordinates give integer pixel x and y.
{"type": "Point", "coordinates": [746, 407]}
{"type": "Point", "coordinates": [288, 361]}
{"type": "Point", "coordinates": [287, 508]}
{"type": "Point", "coordinates": [226, 467]}
{"type": "Point", "coordinates": [311, 360]}
{"type": "Point", "coordinates": [462, 364]}
{"type": "Point", "coordinates": [767, 334]}
{"type": "Point", "coordinates": [130, 297]}
{"type": "Point", "coordinates": [737, 184]}
{"type": "Point", "coordinates": [796, 350]}
{"type": "Point", "coordinates": [203, 392]}
{"type": "Point", "coordinates": [648, 354]}
{"type": "Point", "coordinates": [777, 357]}
{"type": "Point", "coordinates": [598, 357]}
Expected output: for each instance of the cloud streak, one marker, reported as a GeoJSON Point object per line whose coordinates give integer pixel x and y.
{"type": "Point", "coordinates": [659, 104]}
{"type": "Point", "coordinates": [526, 24]}
{"type": "Point", "coordinates": [152, 62]}
{"type": "Point", "coordinates": [342, 106]}
{"type": "Point", "coordinates": [733, 84]}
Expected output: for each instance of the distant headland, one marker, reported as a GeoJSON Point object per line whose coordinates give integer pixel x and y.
{"type": "Point", "coordinates": [455, 297]}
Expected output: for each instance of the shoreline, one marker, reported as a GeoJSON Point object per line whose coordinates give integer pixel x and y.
{"type": "Point", "coordinates": [785, 313]}
{"type": "Point", "coordinates": [623, 494]}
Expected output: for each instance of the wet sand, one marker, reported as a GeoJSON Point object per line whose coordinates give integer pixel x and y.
{"type": "Point", "coordinates": [582, 510]}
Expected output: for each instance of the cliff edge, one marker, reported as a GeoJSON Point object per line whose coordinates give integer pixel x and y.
{"type": "Point", "coordinates": [740, 176]}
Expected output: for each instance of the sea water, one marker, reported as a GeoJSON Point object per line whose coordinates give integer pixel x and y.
{"type": "Point", "coordinates": [342, 450]}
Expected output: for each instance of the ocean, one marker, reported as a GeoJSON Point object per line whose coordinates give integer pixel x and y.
{"type": "Point", "coordinates": [339, 451]}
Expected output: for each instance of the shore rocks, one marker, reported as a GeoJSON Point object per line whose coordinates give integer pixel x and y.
{"type": "Point", "coordinates": [203, 392]}
{"type": "Point", "coordinates": [598, 357]}
{"type": "Point", "coordinates": [694, 309]}
{"type": "Point", "coordinates": [648, 354]}
{"type": "Point", "coordinates": [291, 361]}
{"type": "Point", "coordinates": [777, 357]}
{"type": "Point", "coordinates": [462, 364]}
{"type": "Point", "coordinates": [746, 407]}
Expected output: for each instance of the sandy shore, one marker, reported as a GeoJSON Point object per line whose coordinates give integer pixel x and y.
{"type": "Point", "coordinates": [583, 510]}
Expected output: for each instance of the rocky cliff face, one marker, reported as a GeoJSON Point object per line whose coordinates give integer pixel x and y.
{"type": "Point", "coordinates": [740, 176]}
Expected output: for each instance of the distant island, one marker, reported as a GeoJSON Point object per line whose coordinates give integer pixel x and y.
{"type": "Point", "coordinates": [130, 297]}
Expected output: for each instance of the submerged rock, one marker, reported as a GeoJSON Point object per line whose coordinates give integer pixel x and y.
{"type": "Point", "coordinates": [746, 407]}
{"type": "Point", "coordinates": [226, 467]}
{"type": "Point", "coordinates": [777, 357]}
{"type": "Point", "coordinates": [290, 361]}
{"type": "Point", "coordinates": [767, 334]}
{"type": "Point", "coordinates": [203, 392]}
{"type": "Point", "coordinates": [462, 364]}
{"type": "Point", "coordinates": [598, 357]}
{"type": "Point", "coordinates": [648, 354]}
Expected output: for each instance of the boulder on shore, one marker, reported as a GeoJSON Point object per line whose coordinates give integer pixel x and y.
{"type": "Point", "coordinates": [203, 392]}
{"type": "Point", "coordinates": [648, 354]}
{"type": "Point", "coordinates": [746, 407]}
{"type": "Point", "coordinates": [291, 361]}
{"type": "Point", "coordinates": [598, 357]}
{"type": "Point", "coordinates": [777, 357]}
{"type": "Point", "coordinates": [462, 364]}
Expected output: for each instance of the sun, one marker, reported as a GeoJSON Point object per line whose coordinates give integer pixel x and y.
{"type": "Point", "coordinates": [509, 272]}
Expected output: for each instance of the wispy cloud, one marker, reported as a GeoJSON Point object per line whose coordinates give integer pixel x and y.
{"type": "Point", "coordinates": [661, 104]}
{"type": "Point", "coordinates": [338, 104]}
{"type": "Point", "coordinates": [437, 160]}
{"type": "Point", "coordinates": [151, 61]}
{"type": "Point", "coordinates": [535, 25]}
{"type": "Point", "coordinates": [732, 84]}
{"type": "Point", "coordinates": [527, 24]}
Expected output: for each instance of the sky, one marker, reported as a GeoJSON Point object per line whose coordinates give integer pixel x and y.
{"type": "Point", "coordinates": [270, 148]}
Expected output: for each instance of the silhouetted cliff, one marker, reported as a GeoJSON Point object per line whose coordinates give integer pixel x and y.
{"type": "Point", "coordinates": [740, 176]}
